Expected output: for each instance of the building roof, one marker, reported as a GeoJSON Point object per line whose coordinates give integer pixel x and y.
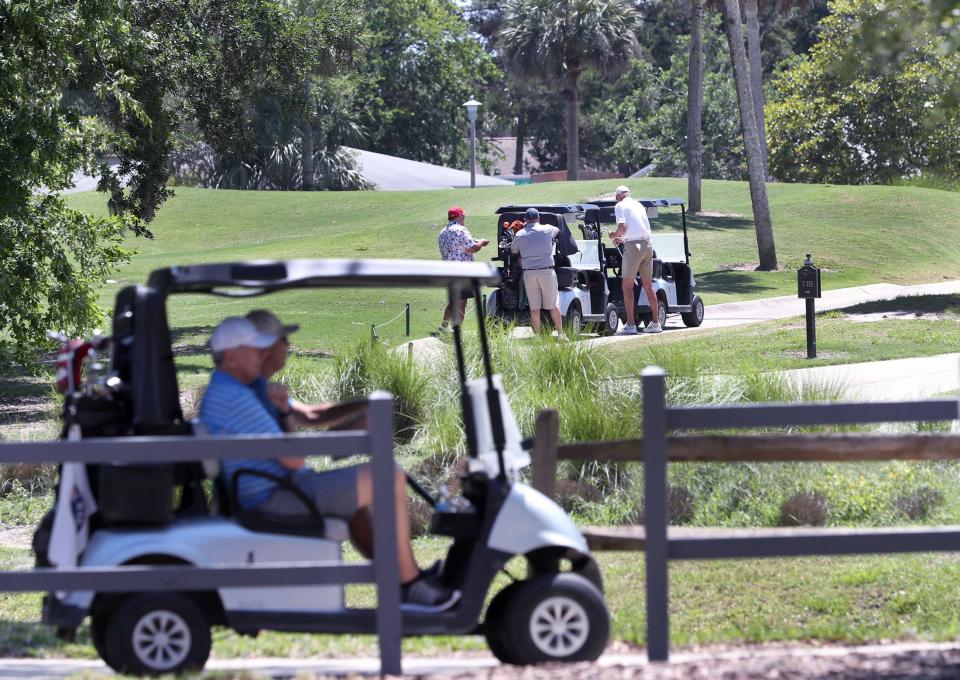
{"type": "Point", "coordinates": [391, 173]}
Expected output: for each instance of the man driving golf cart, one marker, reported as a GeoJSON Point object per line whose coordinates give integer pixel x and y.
{"type": "Point", "coordinates": [231, 406]}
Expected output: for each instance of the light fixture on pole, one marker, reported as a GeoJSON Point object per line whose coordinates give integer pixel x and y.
{"type": "Point", "coordinates": [472, 107]}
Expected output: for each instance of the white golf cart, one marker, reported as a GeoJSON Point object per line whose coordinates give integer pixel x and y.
{"type": "Point", "coordinates": [556, 612]}
{"type": "Point", "coordinates": [588, 271]}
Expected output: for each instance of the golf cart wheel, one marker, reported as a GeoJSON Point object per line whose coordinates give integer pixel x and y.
{"type": "Point", "coordinates": [611, 321]}
{"type": "Point", "coordinates": [574, 321]}
{"type": "Point", "coordinates": [694, 317]}
{"type": "Point", "coordinates": [556, 617]}
{"type": "Point", "coordinates": [157, 634]}
{"type": "Point", "coordinates": [98, 635]}
{"type": "Point", "coordinates": [494, 624]}
{"type": "Point", "coordinates": [661, 314]}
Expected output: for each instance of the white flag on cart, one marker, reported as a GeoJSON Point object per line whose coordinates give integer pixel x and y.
{"type": "Point", "coordinates": [71, 522]}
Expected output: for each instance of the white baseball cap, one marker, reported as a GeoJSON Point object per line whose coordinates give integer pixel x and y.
{"type": "Point", "coordinates": [235, 331]}
{"type": "Point", "coordinates": [622, 190]}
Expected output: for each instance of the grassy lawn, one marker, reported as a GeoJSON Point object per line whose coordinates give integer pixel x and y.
{"type": "Point", "coordinates": [781, 345]}
{"type": "Point", "coordinates": [850, 599]}
{"type": "Point", "coordinates": [848, 229]}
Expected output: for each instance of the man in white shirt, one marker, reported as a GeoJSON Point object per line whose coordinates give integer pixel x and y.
{"type": "Point", "coordinates": [633, 231]}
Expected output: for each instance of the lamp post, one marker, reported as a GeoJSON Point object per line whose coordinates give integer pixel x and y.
{"type": "Point", "coordinates": [472, 107]}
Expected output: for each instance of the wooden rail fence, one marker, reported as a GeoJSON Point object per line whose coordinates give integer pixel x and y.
{"type": "Point", "coordinates": [662, 543]}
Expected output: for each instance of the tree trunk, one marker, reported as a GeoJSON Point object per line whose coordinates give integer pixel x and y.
{"type": "Point", "coordinates": [695, 108]}
{"type": "Point", "coordinates": [758, 190]}
{"type": "Point", "coordinates": [573, 127]}
{"type": "Point", "coordinates": [756, 74]}
{"type": "Point", "coordinates": [306, 155]}
{"type": "Point", "coordinates": [521, 132]}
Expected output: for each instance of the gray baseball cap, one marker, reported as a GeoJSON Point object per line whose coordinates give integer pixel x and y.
{"type": "Point", "coordinates": [533, 214]}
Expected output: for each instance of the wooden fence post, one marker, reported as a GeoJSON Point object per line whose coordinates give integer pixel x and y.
{"type": "Point", "coordinates": [655, 511]}
{"type": "Point", "coordinates": [546, 438]}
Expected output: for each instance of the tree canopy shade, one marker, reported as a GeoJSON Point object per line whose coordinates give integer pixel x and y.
{"type": "Point", "coordinates": [557, 40]}
{"type": "Point", "coordinates": [51, 257]}
{"type": "Point", "coordinates": [830, 123]}
{"type": "Point", "coordinates": [421, 64]}
{"type": "Point", "coordinates": [81, 81]}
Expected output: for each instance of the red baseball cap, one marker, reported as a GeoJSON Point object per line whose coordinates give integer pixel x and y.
{"type": "Point", "coordinates": [454, 212]}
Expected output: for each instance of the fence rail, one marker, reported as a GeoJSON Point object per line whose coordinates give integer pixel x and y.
{"type": "Point", "coordinates": [377, 442]}
{"type": "Point", "coordinates": [662, 543]}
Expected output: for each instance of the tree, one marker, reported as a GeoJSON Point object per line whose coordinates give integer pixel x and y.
{"type": "Point", "coordinates": [643, 118]}
{"type": "Point", "coordinates": [832, 124]}
{"type": "Point", "coordinates": [695, 108]}
{"type": "Point", "coordinates": [422, 64]}
{"type": "Point", "coordinates": [558, 41]}
{"type": "Point", "coordinates": [751, 142]}
{"type": "Point", "coordinates": [52, 257]}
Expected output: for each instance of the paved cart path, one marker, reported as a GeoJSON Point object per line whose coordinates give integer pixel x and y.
{"type": "Point", "coordinates": [900, 660]}
{"type": "Point", "coordinates": [736, 313]}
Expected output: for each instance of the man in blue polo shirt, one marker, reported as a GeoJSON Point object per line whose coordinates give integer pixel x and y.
{"type": "Point", "coordinates": [231, 406]}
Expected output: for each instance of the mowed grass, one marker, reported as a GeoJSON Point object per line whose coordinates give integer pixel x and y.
{"type": "Point", "coordinates": [858, 235]}
{"type": "Point", "coordinates": [781, 345]}
{"type": "Point", "coordinates": [846, 599]}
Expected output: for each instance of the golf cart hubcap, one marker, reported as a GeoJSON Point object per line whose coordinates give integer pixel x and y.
{"type": "Point", "coordinates": [612, 319]}
{"type": "Point", "coordinates": [161, 640]}
{"type": "Point", "coordinates": [559, 626]}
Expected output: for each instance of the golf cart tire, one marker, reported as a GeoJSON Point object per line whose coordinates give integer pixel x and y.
{"type": "Point", "coordinates": [694, 317]}
{"type": "Point", "coordinates": [611, 321]}
{"type": "Point", "coordinates": [661, 311]}
{"type": "Point", "coordinates": [494, 624]}
{"type": "Point", "coordinates": [98, 635]}
{"type": "Point", "coordinates": [561, 598]}
{"type": "Point", "coordinates": [574, 321]}
{"type": "Point", "coordinates": [183, 622]}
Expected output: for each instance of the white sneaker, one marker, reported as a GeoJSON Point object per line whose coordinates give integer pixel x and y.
{"type": "Point", "coordinates": [628, 329]}
{"type": "Point", "coordinates": [653, 328]}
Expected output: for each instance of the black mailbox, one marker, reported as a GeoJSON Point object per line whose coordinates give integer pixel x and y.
{"type": "Point", "coordinates": [808, 280]}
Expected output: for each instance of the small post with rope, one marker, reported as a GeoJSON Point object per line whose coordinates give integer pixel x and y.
{"type": "Point", "coordinates": [408, 319]}
{"type": "Point", "coordinates": [373, 332]}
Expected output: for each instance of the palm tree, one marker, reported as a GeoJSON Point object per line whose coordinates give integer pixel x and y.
{"type": "Point", "coordinates": [751, 10]}
{"type": "Point", "coordinates": [751, 140]}
{"type": "Point", "coordinates": [695, 108]}
{"type": "Point", "coordinates": [557, 40]}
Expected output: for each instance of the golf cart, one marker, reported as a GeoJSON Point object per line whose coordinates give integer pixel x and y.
{"type": "Point", "coordinates": [159, 514]}
{"type": "Point", "coordinates": [588, 271]}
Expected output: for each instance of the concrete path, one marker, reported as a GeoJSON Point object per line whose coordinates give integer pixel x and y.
{"type": "Point", "coordinates": [784, 307]}
{"type": "Point", "coordinates": [481, 665]}
{"type": "Point", "coordinates": [896, 380]}
{"type": "Point", "coordinates": [737, 313]}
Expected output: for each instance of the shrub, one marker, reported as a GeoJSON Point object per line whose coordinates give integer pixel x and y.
{"type": "Point", "coordinates": [807, 508]}
{"type": "Point", "coordinates": [919, 503]}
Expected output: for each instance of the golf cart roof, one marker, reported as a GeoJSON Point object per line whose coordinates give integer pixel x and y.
{"type": "Point", "coordinates": [648, 202]}
{"type": "Point", "coordinates": [560, 208]}
{"type": "Point", "coordinates": [244, 279]}
{"type": "Point", "coordinates": [603, 210]}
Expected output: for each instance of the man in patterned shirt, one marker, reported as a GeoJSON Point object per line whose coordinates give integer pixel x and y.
{"type": "Point", "coordinates": [457, 245]}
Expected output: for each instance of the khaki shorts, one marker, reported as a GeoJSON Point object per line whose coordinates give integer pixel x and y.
{"type": "Point", "coordinates": [542, 290]}
{"type": "Point", "coordinates": [637, 259]}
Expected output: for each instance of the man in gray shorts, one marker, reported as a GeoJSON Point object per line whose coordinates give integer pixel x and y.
{"type": "Point", "coordinates": [534, 243]}
{"type": "Point", "coordinates": [236, 402]}
{"type": "Point", "coordinates": [633, 231]}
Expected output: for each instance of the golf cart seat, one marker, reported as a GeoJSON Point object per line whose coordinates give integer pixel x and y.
{"type": "Point", "coordinates": [312, 524]}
